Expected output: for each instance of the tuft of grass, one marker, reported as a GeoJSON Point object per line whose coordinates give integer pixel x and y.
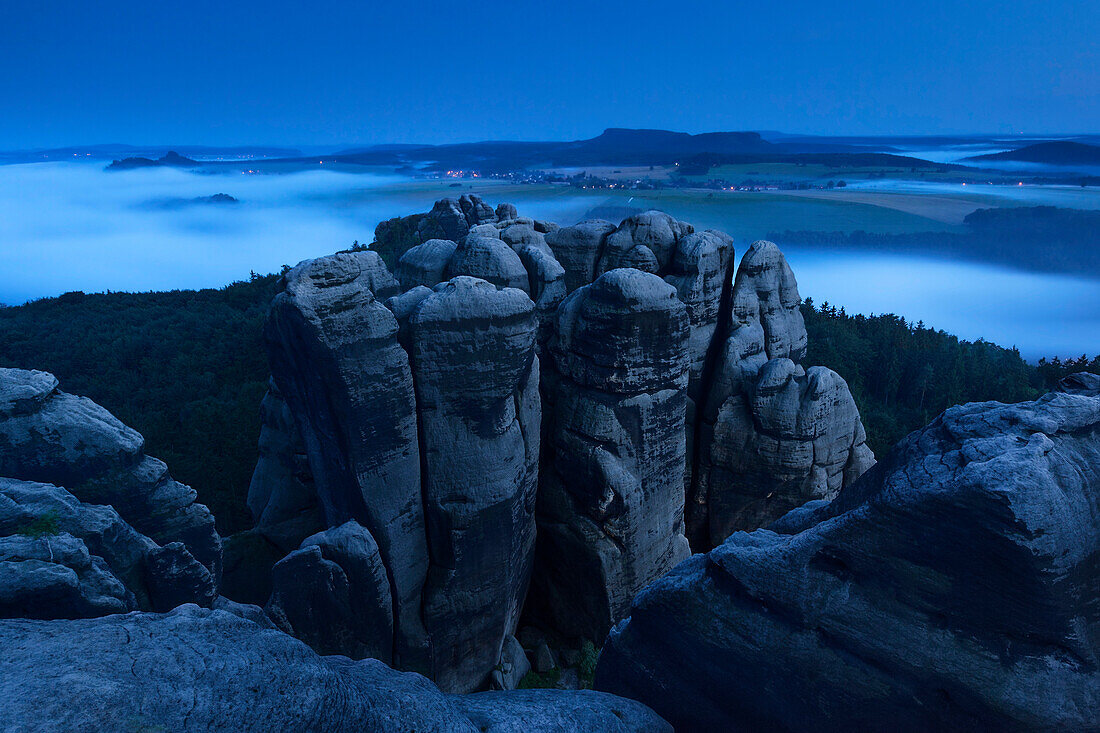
{"type": "Point", "coordinates": [586, 667]}
{"type": "Point", "coordinates": [41, 526]}
{"type": "Point", "coordinates": [535, 681]}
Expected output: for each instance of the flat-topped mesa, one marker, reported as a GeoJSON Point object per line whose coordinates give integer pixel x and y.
{"type": "Point", "coordinates": [476, 375]}
{"type": "Point", "coordinates": [955, 586]}
{"type": "Point", "coordinates": [772, 435]}
{"type": "Point", "coordinates": [121, 535]}
{"type": "Point", "coordinates": [336, 360]}
{"type": "Point", "coordinates": [611, 493]}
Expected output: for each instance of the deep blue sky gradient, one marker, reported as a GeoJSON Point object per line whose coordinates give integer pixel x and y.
{"type": "Point", "coordinates": [321, 73]}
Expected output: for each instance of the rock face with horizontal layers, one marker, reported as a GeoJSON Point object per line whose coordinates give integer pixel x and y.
{"type": "Point", "coordinates": [955, 586]}
{"type": "Point", "coordinates": [611, 497]}
{"type": "Point", "coordinates": [772, 434]}
{"type": "Point", "coordinates": [336, 360]}
{"type": "Point", "coordinates": [476, 377]}
{"type": "Point", "coordinates": [52, 437]}
{"type": "Point", "coordinates": [199, 670]}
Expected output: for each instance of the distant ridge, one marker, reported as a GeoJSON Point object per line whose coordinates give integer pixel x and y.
{"type": "Point", "coordinates": [1061, 152]}
{"type": "Point", "coordinates": [171, 159]}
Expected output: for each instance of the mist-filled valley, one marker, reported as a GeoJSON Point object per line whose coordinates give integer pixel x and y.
{"type": "Point", "coordinates": [75, 226]}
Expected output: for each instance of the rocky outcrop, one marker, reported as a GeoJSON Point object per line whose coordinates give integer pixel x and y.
{"type": "Point", "coordinates": [449, 219]}
{"type": "Point", "coordinates": [772, 434]}
{"type": "Point", "coordinates": [334, 594]}
{"type": "Point", "coordinates": [199, 670]}
{"type": "Point", "coordinates": [336, 360]}
{"type": "Point", "coordinates": [611, 497]}
{"type": "Point", "coordinates": [62, 558]}
{"type": "Point", "coordinates": [659, 389]}
{"type": "Point", "coordinates": [477, 381]}
{"type": "Point", "coordinates": [955, 586]}
{"type": "Point", "coordinates": [49, 436]}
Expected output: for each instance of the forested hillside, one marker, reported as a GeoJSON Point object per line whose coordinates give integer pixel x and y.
{"type": "Point", "coordinates": [185, 368]}
{"type": "Point", "coordinates": [188, 370]}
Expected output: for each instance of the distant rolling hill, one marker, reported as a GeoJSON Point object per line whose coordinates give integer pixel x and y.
{"type": "Point", "coordinates": [1062, 152]}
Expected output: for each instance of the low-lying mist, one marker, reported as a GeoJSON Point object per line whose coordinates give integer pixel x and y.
{"type": "Point", "coordinates": [74, 226]}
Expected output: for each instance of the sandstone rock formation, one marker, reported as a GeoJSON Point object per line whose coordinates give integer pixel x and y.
{"type": "Point", "coordinates": [152, 537]}
{"type": "Point", "coordinates": [336, 360]}
{"type": "Point", "coordinates": [611, 498]}
{"type": "Point", "coordinates": [771, 434]}
{"type": "Point", "coordinates": [418, 408]}
{"type": "Point", "coordinates": [449, 219]}
{"type": "Point", "coordinates": [200, 670]}
{"type": "Point", "coordinates": [955, 586]}
{"type": "Point", "coordinates": [477, 381]}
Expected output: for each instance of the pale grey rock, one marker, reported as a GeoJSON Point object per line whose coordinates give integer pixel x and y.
{"type": "Point", "coordinates": [611, 497]}
{"type": "Point", "coordinates": [489, 259]}
{"type": "Point", "coordinates": [49, 436]}
{"type": "Point", "coordinates": [513, 665]}
{"type": "Point", "coordinates": [200, 670]}
{"type": "Point", "coordinates": [771, 435]}
{"type": "Point", "coordinates": [247, 611]}
{"type": "Point", "coordinates": [54, 576]}
{"type": "Point", "coordinates": [334, 594]}
{"type": "Point", "coordinates": [578, 249]}
{"type": "Point", "coordinates": [67, 559]}
{"type": "Point", "coordinates": [477, 392]}
{"type": "Point", "coordinates": [425, 264]}
{"type": "Point", "coordinates": [336, 359]}
{"type": "Point", "coordinates": [646, 242]}
{"type": "Point", "coordinates": [523, 711]}
{"type": "Point", "coordinates": [953, 587]}
{"type": "Point", "coordinates": [506, 212]}
{"type": "Point", "coordinates": [449, 219]}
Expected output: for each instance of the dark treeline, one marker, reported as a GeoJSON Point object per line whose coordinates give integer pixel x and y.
{"type": "Point", "coordinates": [188, 370]}
{"type": "Point", "coordinates": [904, 374]}
{"type": "Point", "coordinates": [1027, 237]}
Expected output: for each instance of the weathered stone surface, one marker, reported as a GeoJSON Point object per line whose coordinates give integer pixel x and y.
{"type": "Point", "coordinates": [611, 498]}
{"type": "Point", "coordinates": [771, 435]}
{"type": "Point", "coordinates": [513, 666]}
{"type": "Point", "coordinates": [62, 558]}
{"type": "Point", "coordinates": [200, 670]}
{"type": "Point", "coordinates": [49, 436]}
{"type": "Point", "coordinates": [955, 586]}
{"type": "Point", "coordinates": [334, 594]}
{"type": "Point", "coordinates": [477, 392]}
{"type": "Point", "coordinates": [425, 264]}
{"type": "Point", "coordinates": [578, 249]}
{"type": "Point", "coordinates": [523, 711]}
{"type": "Point", "coordinates": [449, 219]}
{"type": "Point", "coordinates": [336, 359]}
{"type": "Point", "coordinates": [646, 242]}
{"type": "Point", "coordinates": [489, 259]}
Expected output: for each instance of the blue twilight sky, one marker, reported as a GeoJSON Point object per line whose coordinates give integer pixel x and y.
{"type": "Point", "coordinates": [305, 73]}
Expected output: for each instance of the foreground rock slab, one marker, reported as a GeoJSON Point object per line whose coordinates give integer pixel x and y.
{"type": "Point", "coordinates": [954, 587]}
{"type": "Point", "coordinates": [199, 670]}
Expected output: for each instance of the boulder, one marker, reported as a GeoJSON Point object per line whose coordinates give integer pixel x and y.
{"type": "Point", "coordinates": [334, 594]}
{"type": "Point", "coordinates": [611, 496]}
{"type": "Point", "coordinates": [955, 586]}
{"type": "Point", "coordinates": [645, 241]}
{"type": "Point", "coordinates": [49, 436]}
{"type": "Point", "coordinates": [425, 264]}
{"type": "Point", "coordinates": [62, 558]}
{"type": "Point", "coordinates": [198, 670]}
{"type": "Point", "coordinates": [490, 259]}
{"type": "Point", "coordinates": [449, 219]}
{"type": "Point", "coordinates": [335, 356]}
{"type": "Point", "coordinates": [477, 391]}
{"type": "Point", "coordinates": [578, 249]}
